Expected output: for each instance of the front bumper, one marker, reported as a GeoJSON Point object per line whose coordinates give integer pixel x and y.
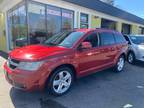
{"type": "Point", "coordinates": [140, 55]}
{"type": "Point", "coordinates": [140, 58]}
{"type": "Point", "coordinates": [24, 80]}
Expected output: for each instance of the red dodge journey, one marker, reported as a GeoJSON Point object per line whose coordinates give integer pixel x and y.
{"type": "Point", "coordinates": [61, 59]}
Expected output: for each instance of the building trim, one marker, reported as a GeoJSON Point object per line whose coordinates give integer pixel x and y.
{"type": "Point", "coordinates": [107, 9]}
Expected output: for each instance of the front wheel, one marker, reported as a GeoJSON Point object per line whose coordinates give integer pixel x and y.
{"type": "Point", "coordinates": [60, 81]}
{"type": "Point", "coordinates": [131, 58]}
{"type": "Point", "coordinates": [120, 64]}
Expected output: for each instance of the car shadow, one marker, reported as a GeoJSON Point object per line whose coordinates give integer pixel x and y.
{"type": "Point", "coordinates": [4, 54]}
{"type": "Point", "coordinates": [139, 64]}
{"type": "Point", "coordinates": [22, 99]}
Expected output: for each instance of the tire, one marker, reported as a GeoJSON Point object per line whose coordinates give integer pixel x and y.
{"type": "Point", "coordinates": [60, 81]}
{"type": "Point", "coordinates": [120, 64]}
{"type": "Point", "coordinates": [131, 58]}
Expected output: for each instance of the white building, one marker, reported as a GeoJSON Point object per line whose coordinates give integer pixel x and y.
{"type": "Point", "coordinates": [21, 19]}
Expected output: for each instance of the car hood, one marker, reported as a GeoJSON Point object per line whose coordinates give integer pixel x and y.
{"type": "Point", "coordinates": [142, 45]}
{"type": "Point", "coordinates": [36, 52]}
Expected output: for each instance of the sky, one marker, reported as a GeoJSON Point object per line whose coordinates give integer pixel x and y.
{"type": "Point", "coordinates": [133, 6]}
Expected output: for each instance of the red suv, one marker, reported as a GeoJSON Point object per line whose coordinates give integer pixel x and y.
{"type": "Point", "coordinates": [64, 57]}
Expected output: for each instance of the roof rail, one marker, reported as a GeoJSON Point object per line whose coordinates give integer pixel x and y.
{"type": "Point", "coordinates": [107, 29]}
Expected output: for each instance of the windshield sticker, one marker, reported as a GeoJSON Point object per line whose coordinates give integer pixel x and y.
{"type": "Point", "coordinates": [134, 38]}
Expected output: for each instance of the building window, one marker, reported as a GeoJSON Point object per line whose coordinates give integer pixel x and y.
{"type": "Point", "coordinates": [126, 28]}
{"type": "Point", "coordinates": [17, 28]}
{"type": "Point", "coordinates": [84, 20]}
{"type": "Point", "coordinates": [53, 20]}
{"type": "Point", "coordinates": [141, 30]}
{"type": "Point", "coordinates": [108, 24]}
{"type": "Point", "coordinates": [67, 20]}
{"type": "Point", "coordinates": [37, 23]}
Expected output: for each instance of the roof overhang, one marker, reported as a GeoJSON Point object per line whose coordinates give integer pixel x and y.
{"type": "Point", "coordinates": [108, 9]}
{"type": "Point", "coordinates": [1, 4]}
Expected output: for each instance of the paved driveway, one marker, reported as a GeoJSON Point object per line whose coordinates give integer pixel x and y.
{"type": "Point", "coordinates": [101, 90]}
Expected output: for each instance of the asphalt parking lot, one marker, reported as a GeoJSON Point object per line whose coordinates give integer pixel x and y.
{"type": "Point", "coordinates": [105, 89]}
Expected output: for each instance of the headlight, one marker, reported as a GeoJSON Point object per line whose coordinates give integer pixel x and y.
{"type": "Point", "coordinates": [141, 47]}
{"type": "Point", "coordinates": [29, 66]}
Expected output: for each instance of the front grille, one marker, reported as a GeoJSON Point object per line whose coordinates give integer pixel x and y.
{"type": "Point", "coordinates": [12, 66]}
{"type": "Point", "coordinates": [13, 63]}
{"type": "Point", "coordinates": [19, 86]}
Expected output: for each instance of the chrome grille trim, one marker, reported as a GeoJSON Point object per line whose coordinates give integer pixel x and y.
{"type": "Point", "coordinates": [12, 64]}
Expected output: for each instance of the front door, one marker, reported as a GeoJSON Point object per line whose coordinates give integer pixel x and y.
{"type": "Point", "coordinates": [90, 59]}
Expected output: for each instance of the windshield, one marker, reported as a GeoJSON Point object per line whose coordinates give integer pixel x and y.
{"type": "Point", "coordinates": [65, 39]}
{"type": "Point", "coordinates": [137, 39]}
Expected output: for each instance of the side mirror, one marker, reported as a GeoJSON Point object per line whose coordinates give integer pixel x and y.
{"type": "Point", "coordinates": [86, 45]}
{"type": "Point", "coordinates": [128, 42]}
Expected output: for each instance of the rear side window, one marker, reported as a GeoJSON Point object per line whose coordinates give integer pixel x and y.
{"type": "Point", "coordinates": [119, 38]}
{"type": "Point", "coordinates": [106, 38]}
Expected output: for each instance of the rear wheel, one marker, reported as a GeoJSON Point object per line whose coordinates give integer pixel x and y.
{"type": "Point", "coordinates": [131, 58]}
{"type": "Point", "coordinates": [60, 81]}
{"type": "Point", "coordinates": [120, 64]}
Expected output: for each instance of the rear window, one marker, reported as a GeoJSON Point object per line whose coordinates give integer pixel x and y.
{"type": "Point", "coordinates": [106, 38]}
{"type": "Point", "coordinates": [119, 38]}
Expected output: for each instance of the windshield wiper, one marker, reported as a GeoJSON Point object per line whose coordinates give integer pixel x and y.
{"type": "Point", "coordinates": [51, 43]}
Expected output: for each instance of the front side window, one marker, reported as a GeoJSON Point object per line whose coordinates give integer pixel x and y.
{"type": "Point", "coordinates": [137, 39]}
{"type": "Point", "coordinates": [106, 39]}
{"type": "Point", "coordinates": [65, 39]}
{"type": "Point", "coordinates": [93, 39]}
{"type": "Point", "coordinates": [84, 21]}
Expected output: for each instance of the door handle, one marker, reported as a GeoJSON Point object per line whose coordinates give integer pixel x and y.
{"type": "Point", "coordinates": [102, 50]}
{"type": "Point", "coordinates": [96, 52]}
{"type": "Point", "coordinates": [89, 54]}
{"type": "Point", "coordinates": [112, 49]}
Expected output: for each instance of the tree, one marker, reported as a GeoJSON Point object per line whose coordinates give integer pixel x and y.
{"type": "Point", "coordinates": [111, 2]}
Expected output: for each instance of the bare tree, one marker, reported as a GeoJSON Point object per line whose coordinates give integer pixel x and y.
{"type": "Point", "coordinates": [111, 2]}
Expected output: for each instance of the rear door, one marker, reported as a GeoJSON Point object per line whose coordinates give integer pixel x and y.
{"type": "Point", "coordinates": [107, 48]}
{"type": "Point", "coordinates": [121, 45]}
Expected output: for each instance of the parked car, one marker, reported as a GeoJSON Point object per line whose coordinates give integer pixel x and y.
{"type": "Point", "coordinates": [65, 57]}
{"type": "Point", "coordinates": [136, 48]}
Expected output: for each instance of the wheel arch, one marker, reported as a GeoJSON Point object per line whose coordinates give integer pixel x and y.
{"type": "Point", "coordinates": [72, 67]}
{"type": "Point", "coordinates": [131, 51]}
{"type": "Point", "coordinates": [123, 54]}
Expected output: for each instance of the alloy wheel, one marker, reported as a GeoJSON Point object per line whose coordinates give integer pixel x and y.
{"type": "Point", "coordinates": [62, 82]}
{"type": "Point", "coordinates": [120, 64]}
{"type": "Point", "coordinates": [130, 58]}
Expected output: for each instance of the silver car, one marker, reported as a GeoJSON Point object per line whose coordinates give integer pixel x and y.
{"type": "Point", "coordinates": [136, 48]}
